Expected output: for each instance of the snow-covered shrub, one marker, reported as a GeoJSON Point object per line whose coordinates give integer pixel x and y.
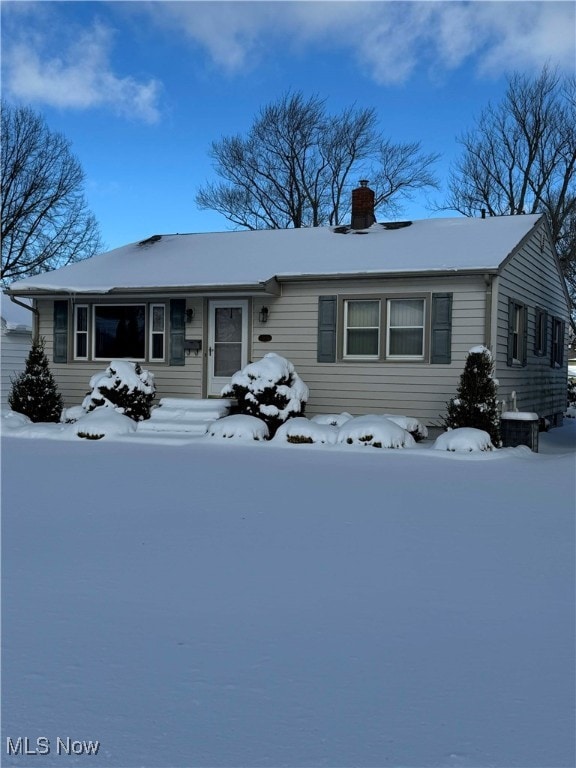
{"type": "Point", "coordinates": [475, 404]}
{"type": "Point", "coordinates": [269, 389]}
{"type": "Point", "coordinates": [34, 392]}
{"type": "Point", "coordinates": [239, 427]}
{"type": "Point", "coordinates": [102, 422]}
{"type": "Point", "coordinates": [376, 431]}
{"type": "Point", "coordinates": [410, 424]}
{"type": "Point", "coordinates": [301, 430]}
{"type": "Point", "coordinates": [70, 415]}
{"type": "Point", "coordinates": [463, 439]}
{"type": "Point", "coordinates": [13, 420]}
{"type": "Point", "coordinates": [333, 419]}
{"type": "Point", "coordinates": [124, 386]}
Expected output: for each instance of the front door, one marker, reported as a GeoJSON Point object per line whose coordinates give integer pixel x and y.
{"type": "Point", "coordinates": [227, 341]}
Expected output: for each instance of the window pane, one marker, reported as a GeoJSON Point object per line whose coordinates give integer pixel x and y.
{"type": "Point", "coordinates": [362, 341]}
{"type": "Point", "coordinates": [228, 324]}
{"type": "Point", "coordinates": [119, 331]}
{"type": "Point", "coordinates": [158, 346]}
{"type": "Point", "coordinates": [81, 345]}
{"type": "Point", "coordinates": [158, 319]}
{"type": "Point", "coordinates": [406, 312]}
{"type": "Point", "coordinates": [406, 341]}
{"type": "Point", "coordinates": [363, 314]}
{"type": "Point", "coordinates": [81, 318]}
{"type": "Point", "coordinates": [227, 359]}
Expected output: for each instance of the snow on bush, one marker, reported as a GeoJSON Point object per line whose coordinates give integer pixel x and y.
{"type": "Point", "coordinates": [410, 424]}
{"type": "Point", "coordinates": [269, 389]}
{"type": "Point", "coordinates": [239, 427]}
{"type": "Point", "coordinates": [302, 430]}
{"type": "Point", "coordinates": [333, 419]}
{"type": "Point", "coordinates": [377, 431]}
{"type": "Point", "coordinates": [124, 386]}
{"type": "Point", "coordinates": [102, 422]}
{"type": "Point", "coordinates": [464, 439]}
{"type": "Point", "coordinates": [70, 415]}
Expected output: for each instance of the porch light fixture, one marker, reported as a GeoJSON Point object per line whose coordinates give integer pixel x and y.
{"type": "Point", "coordinates": [189, 315]}
{"type": "Point", "coordinates": [263, 316]}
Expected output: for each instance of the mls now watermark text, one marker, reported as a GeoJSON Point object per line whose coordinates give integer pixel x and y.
{"type": "Point", "coordinates": [43, 746]}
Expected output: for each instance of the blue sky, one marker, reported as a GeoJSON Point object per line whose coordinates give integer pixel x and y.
{"type": "Point", "coordinates": [141, 89]}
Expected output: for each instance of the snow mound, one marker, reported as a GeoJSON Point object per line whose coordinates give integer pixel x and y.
{"type": "Point", "coordinates": [239, 427]}
{"type": "Point", "coordinates": [377, 431]}
{"type": "Point", "coordinates": [302, 430]}
{"type": "Point", "coordinates": [410, 424]}
{"type": "Point", "coordinates": [14, 420]}
{"type": "Point", "coordinates": [333, 419]}
{"type": "Point", "coordinates": [70, 415]}
{"type": "Point", "coordinates": [103, 422]}
{"type": "Point", "coordinates": [464, 439]}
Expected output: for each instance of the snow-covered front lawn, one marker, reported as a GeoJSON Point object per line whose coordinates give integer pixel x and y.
{"type": "Point", "coordinates": [254, 604]}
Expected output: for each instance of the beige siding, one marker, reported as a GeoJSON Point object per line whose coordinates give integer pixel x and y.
{"type": "Point", "coordinates": [532, 278]}
{"type": "Point", "coordinates": [417, 389]}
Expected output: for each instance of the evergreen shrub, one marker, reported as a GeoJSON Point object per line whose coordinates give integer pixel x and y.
{"type": "Point", "coordinates": [475, 404]}
{"type": "Point", "coordinates": [124, 386]}
{"type": "Point", "coordinates": [34, 392]}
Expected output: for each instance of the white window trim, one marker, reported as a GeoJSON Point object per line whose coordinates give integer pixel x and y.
{"type": "Point", "coordinates": [371, 327]}
{"type": "Point", "coordinates": [422, 327]}
{"type": "Point", "coordinates": [77, 332]}
{"type": "Point", "coordinates": [152, 333]}
{"type": "Point", "coordinates": [118, 304]}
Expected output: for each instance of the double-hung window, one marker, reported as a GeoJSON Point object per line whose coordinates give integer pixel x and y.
{"type": "Point", "coordinates": [157, 331]}
{"type": "Point", "coordinates": [81, 332]}
{"type": "Point", "coordinates": [541, 333]}
{"type": "Point", "coordinates": [405, 337]}
{"type": "Point", "coordinates": [362, 329]}
{"type": "Point", "coordinates": [557, 351]}
{"type": "Point", "coordinates": [517, 333]}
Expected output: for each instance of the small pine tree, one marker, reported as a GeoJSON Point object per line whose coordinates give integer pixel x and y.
{"type": "Point", "coordinates": [34, 392]}
{"type": "Point", "coordinates": [475, 404]}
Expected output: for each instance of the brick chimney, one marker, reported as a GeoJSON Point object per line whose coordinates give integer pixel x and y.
{"type": "Point", "coordinates": [362, 206]}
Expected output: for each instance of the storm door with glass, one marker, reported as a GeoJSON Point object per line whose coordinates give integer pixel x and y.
{"type": "Point", "coordinates": [227, 341]}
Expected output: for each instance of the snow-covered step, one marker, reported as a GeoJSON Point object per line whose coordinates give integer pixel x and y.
{"type": "Point", "coordinates": [180, 414]}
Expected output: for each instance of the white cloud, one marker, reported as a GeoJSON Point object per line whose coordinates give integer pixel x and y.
{"type": "Point", "coordinates": [79, 77]}
{"type": "Point", "coordinates": [388, 39]}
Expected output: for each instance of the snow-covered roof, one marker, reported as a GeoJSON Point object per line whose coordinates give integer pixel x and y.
{"type": "Point", "coordinates": [14, 317]}
{"type": "Point", "coordinates": [252, 258]}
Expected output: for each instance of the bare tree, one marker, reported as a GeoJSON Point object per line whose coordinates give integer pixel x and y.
{"type": "Point", "coordinates": [45, 221]}
{"type": "Point", "coordinates": [297, 163]}
{"type": "Point", "coordinates": [521, 158]}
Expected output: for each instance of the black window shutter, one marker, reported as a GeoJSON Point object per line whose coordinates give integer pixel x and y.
{"type": "Point", "coordinates": [441, 332]}
{"type": "Point", "coordinates": [510, 352]}
{"type": "Point", "coordinates": [60, 352]}
{"type": "Point", "coordinates": [327, 329]}
{"type": "Point", "coordinates": [177, 331]}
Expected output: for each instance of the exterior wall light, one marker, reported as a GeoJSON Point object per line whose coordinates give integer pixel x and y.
{"type": "Point", "coordinates": [263, 316]}
{"type": "Point", "coordinates": [189, 315]}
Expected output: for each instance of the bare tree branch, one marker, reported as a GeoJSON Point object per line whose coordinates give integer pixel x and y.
{"type": "Point", "coordinates": [45, 223]}
{"type": "Point", "coordinates": [297, 165]}
{"type": "Point", "coordinates": [521, 158]}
